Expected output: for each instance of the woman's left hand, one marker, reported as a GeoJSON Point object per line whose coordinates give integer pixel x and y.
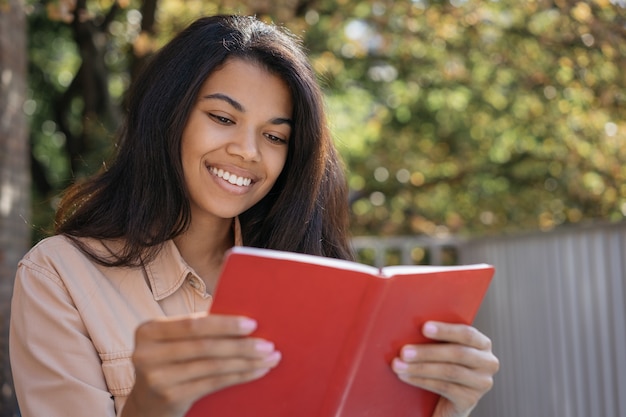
{"type": "Point", "coordinates": [460, 370]}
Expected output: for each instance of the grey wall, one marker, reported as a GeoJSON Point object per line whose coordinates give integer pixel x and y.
{"type": "Point", "coordinates": [556, 314]}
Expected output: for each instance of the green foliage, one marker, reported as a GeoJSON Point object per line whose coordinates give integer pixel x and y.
{"type": "Point", "coordinates": [487, 117]}
{"type": "Point", "coordinates": [472, 117]}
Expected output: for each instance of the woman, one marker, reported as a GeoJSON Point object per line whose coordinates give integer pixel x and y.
{"type": "Point", "coordinates": [225, 143]}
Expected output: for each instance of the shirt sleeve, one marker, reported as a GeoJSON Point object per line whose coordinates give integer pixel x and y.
{"type": "Point", "coordinates": [56, 368]}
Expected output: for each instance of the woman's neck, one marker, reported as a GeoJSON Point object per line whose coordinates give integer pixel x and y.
{"type": "Point", "coordinates": [203, 248]}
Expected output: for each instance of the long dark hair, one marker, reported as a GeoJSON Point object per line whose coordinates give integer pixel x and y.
{"type": "Point", "coordinates": [142, 196]}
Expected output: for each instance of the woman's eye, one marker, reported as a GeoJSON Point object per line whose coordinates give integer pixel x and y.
{"type": "Point", "coordinates": [221, 119]}
{"type": "Point", "coordinates": [275, 139]}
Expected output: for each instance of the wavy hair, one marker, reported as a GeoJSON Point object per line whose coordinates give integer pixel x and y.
{"type": "Point", "coordinates": [142, 198]}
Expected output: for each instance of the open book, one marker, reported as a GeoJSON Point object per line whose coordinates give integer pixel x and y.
{"type": "Point", "coordinates": [338, 325]}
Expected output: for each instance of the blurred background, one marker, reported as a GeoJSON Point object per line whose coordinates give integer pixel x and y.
{"type": "Point", "coordinates": [470, 117]}
{"type": "Point", "coordinates": [462, 124]}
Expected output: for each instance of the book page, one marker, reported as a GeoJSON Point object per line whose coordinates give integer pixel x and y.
{"type": "Point", "coordinates": [310, 259]}
{"type": "Point", "coordinates": [390, 271]}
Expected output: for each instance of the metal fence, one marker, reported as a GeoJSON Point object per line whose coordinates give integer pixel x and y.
{"type": "Point", "coordinates": [556, 312]}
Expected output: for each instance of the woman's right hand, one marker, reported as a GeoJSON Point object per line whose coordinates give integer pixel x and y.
{"type": "Point", "coordinates": [180, 359]}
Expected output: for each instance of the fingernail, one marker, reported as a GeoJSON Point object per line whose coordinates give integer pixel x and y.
{"type": "Point", "coordinates": [409, 354]}
{"type": "Point", "coordinates": [263, 346]}
{"type": "Point", "coordinates": [399, 366]}
{"type": "Point", "coordinates": [430, 329]}
{"type": "Point", "coordinates": [247, 325]}
{"type": "Point", "coordinates": [260, 372]}
{"type": "Point", "coordinates": [274, 357]}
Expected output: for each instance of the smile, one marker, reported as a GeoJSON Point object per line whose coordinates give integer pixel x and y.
{"type": "Point", "coordinates": [231, 178]}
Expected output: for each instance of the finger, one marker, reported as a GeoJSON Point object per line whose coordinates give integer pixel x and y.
{"type": "Point", "coordinates": [181, 393]}
{"type": "Point", "coordinates": [450, 353]}
{"type": "Point", "coordinates": [192, 390]}
{"type": "Point", "coordinates": [456, 333]}
{"type": "Point", "coordinates": [160, 352]}
{"type": "Point", "coordinates": [184, 372]}
{"type": "Point", "coordinates": [447, 373]}
{"type": "Point", "coordinates": [225, 380]}
{"type": "Point", "coordinates": [460, 396]}
{"type": "Point", "coordinates": [198, 326]}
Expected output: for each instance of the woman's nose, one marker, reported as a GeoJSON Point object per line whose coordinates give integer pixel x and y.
{"type": "Point", "coordinates": [245, 145]}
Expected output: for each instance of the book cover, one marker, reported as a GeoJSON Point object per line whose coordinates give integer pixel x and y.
{"type": "Point", "coordinates": [338, 325]}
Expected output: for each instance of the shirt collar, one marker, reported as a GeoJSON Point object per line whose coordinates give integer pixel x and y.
{"type": "Point", "coordinates": [169, 271]}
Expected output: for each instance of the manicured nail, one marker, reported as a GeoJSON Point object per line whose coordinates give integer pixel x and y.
{"type": "Point", "coordinates": [274, 357]}
{"type": "Point", "coordinates": [247, 325]}
{"type": "Point", "coordinates": [399, 366]}
{"type": "Point", "coordinates": [263, 346]}
{"type": "Point", "coordinates": [409, 354]}
{"type": "Point", "coordinates": [430, 330]}
{"type": "Point", "coordinates": [260, 372]}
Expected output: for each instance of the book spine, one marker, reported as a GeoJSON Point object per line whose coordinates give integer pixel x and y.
{"type": "Point", "coordinates": [352, 353]}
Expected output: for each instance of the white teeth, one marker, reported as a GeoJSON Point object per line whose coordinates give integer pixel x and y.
{"type": "Point", "coordinates": [231, 178]}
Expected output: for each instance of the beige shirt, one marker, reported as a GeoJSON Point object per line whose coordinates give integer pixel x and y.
{"type": "Point", "coordinates": [73, 324]}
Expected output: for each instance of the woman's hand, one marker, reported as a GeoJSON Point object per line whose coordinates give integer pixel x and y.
{"type": "Point", "coordinates": [179, 360]}
{"type": "Point", "coordinates": [461, 370]}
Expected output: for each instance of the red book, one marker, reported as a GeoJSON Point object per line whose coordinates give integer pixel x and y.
{"type": "Point", "coordinates": [338, 325]}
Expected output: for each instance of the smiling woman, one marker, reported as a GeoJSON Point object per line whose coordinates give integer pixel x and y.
{"type": "Point", "coordinates": [225, 143]}
{"type": "Point", "coordinates": [199, 82]}
{"type": "Point", "coordinates": [235, 143]}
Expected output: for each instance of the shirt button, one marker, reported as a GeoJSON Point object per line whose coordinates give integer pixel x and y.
{"type": "Point", "coordinates": [193, 283]}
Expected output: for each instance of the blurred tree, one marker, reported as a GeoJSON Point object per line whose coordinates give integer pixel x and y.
{"type": "Point", "coordinates": [480, 117]}
{"type": "Point", "coordinates": [458, 116]}
{"type": "Point", "coordinates": [14, 176]}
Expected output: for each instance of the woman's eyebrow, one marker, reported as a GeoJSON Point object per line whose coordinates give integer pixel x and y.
{"type": "Point", "coordinates": [239, 107]}
{"type": "Point", "coordinates": [282, 121]}
{"type": "Point", "coordinates": [229, 100]}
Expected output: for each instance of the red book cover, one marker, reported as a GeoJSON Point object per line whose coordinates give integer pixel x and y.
{"type": "Point", "coordinates": [338, 325]}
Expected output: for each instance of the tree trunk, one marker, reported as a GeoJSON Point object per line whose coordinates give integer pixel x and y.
{"type": "Point", "coordinates": [14, 176]}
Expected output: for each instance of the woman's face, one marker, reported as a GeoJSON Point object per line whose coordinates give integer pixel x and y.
{"type": "Point", "coordinates": [234, 145]}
